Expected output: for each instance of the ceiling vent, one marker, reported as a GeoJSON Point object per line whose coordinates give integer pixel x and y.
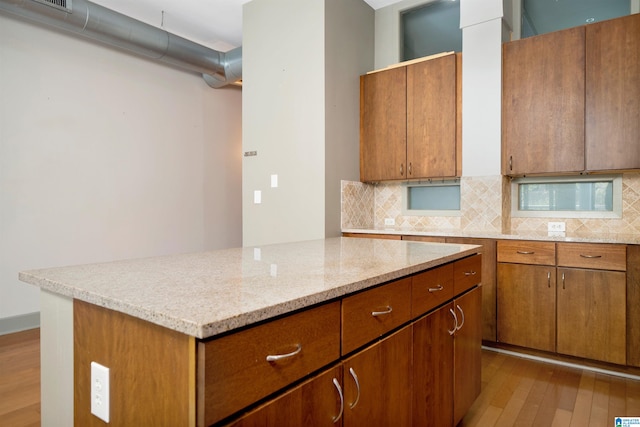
{"type": "Point", "coordinates": [58, 4]}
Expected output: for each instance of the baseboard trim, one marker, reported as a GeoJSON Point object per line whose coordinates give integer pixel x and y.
{"type": "Point", "coordinates": [22, 322]}
{"type": "Point", "coordinates": [563, 363]}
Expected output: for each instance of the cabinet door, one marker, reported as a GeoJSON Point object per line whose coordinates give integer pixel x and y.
{"type": "Point", "coordinates": [527, 305]}
{"type": "Point", "coordinates": [543, 84]}
{"type": "Point", "coordinates": [467, 352]}
{"type": "Point", "coordinates": [431, 118]}
{"type": "Point", "coordinates": [433, 368]}
{"type": "Point", "coordinates": [488, 252]}
{"type": "Point", "coordinates": [613, 94]}
{"type": "Point", "coordinates": [377, 383]}
{"type": "Point", "coordinates": [383, 125]}
{"type": "Point", "coordinates": [592, 314]}
{"type": "Point", "coordinates": [315, 402]}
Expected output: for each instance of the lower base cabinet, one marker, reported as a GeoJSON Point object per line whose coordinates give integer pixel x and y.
{"type": "Point", "coordinates": [446, 354]}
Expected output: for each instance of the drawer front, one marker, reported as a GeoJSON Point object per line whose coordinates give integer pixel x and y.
{"type": "Point", "coordinates": [372, 313]}
{"type": "Point", "coordinates": [234, 371]}
{"type": "Point", "coordinates": [467, 273]}
{"type": "Point", "coordinates": [527, 252]}
{"type": "Point", "coordinates": [595, 256]}
{"type": "Point", "coordinates": [430, 289]}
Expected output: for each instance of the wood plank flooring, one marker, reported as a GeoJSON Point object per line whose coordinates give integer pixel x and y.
{"type": "Point", "coordinates": [20, 379]}
{"type": "Point", "coordinates": [515, 391]}
{"type": "Point", "coordinates": [522, 392]}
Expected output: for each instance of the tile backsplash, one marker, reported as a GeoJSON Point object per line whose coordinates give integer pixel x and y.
{"type": "Point", "coordinates": [485, 207]}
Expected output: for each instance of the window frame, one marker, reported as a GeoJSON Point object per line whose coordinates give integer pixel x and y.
{"type": "Point", "coordinates": [430, 183]}
{"type": "Point", "coordinates": [616, 211]}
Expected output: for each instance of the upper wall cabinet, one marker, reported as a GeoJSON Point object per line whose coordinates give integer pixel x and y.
{"type": "Point", "coordinates": [571, 100]}
{"type": "Point", "coordinates": [410, 121]}
{"type": "Point", "coordinates": [543, 103]}
{"type": "Point", "coordinates": [613, 94]}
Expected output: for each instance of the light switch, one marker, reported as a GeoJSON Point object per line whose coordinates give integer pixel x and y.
{"type": "Point", "coordinates": [257, 197]}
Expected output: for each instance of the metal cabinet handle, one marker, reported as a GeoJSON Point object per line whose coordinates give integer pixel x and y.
{"type": "Point", "coordinates": [276, 357]}
{"type": "Point", "coordinates": [525, 252]}
{"type": "Point", "coordinates": [590, 256]}
{"type": "Point", "coordinates": [548, 279]}
{"type": "Point", "coordinates": [401, 169]}
{"type": "Point", "coordinates": [410, 168]}
{"type": "Point", "coordinates": [510, 163]}
{"type": "Point", "coordinates": [462, 313]}
{"type": "Point", "coordinates": [455, 322]}
{"type": "Point", "coordinates": [337, 385]}
{"type": "Point", "coordinates": [470, 273]}
{"type": "Point", "coordinates": [436, 289]}
{"type": "Point", "coordinates": [563, 281]}
{"type": "Point", "coordinates": [355, 379]}
{"type": "Point", "coordinates": [380, 313]}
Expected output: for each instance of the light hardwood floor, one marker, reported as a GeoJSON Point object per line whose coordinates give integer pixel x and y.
{"type": "Point", "coordinates": [515, 391]}
{"type": "Point", "coordinates": [20, 379]}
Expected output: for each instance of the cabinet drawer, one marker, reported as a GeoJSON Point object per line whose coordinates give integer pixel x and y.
{"type": "Point", "coordinates": [431, 288]}
{"type": "Point", "coordinates": [233, 371]}
{"type": "Point", "coordinates": [595, 256]}
{"type": "Point", "coordinates": [372, 313]}
{"type": "Point", "coordinates": [527, 252]}
{"type": "Point", "coordinates": [467, 273]}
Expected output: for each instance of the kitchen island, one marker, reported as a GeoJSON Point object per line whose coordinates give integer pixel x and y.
{"type": "Point", "coordinates": [156, 323]}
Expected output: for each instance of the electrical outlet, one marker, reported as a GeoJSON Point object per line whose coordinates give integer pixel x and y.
{"type": "Point", "coordinates": [257, 197]}
{"type": "Point", "coordinates": [389, 221]}
{"type": "Point", "coordinates": [556, 226]}
{"type": "Point", "coordinates": [100, 391]}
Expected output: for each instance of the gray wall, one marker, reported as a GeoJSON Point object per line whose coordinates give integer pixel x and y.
{"type": "Point", "coordinates": [105, 156]}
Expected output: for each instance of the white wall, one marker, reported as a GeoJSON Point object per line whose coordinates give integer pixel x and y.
{"type": "Point", "coordinates": [104, 156]}
{"type": "Point", "coordinates": [302, 130]}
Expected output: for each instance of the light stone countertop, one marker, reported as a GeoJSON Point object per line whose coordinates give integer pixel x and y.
{"type": "Point", "coordinates": [208, 293]}
{"type": "Point", "coordinates": [629, 239]}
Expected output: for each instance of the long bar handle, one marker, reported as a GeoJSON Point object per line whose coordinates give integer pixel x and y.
{"type": "Point", "coordinates": [548, 279]}
{"type": "Point", "coordinates": [337, 385]}
{"type": "Point", "coordinates": [462, 313]}
{"type": "Point", "coordinates": [590, 256]}
{"type": "Point", "coordinates": [455, 324]}
{"type": "Point", "coordinates": [401, 169]}
{"type": "Point", "coordinates": [563, 281]}
{"type": "Point", "coordinates": [470, 273]}
{"type": "Point", "coordinates": [436, 289]}
{"type": "Point", "coordinates": [381, 313]}
{"type": "Point", "coordinates": [525, 252]}
{"type": "Point", "coordinates": [277, 357]}
{"type": "Point", "coordinates": [355, 379]}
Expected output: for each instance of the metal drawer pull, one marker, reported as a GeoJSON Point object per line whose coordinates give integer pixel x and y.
{"type": "Point", "coordinates": [525, 252]}
{"type": "Point", "coordinates": [455, 320]}
{"type": "Point", "coordinates": [470, 273]}
{"type": "Point", "coordinates": [380, 313]}
{"type": "Point", "coordinates": [590, 256]}
{"type": "Point", "coordinates": [355, 378]}
{"type": "Point", "coordinates": [337, 384]}
{"type": "Point", "coordinates": [563, 281]}
{"type": "Point", "coordinates": [548, 279]}
{"type": "Point", "coordinates": [401, 169]}
{"type": "Point", "coordinates": [436, 289]}
{"type": "Point", "coordinates": [462, 313]}
{"type": "Point", "coordinates": [276, 357]}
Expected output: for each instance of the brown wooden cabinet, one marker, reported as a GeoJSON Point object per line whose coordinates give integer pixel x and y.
{"type": "Point", "coordinates": [543, 102]}
{"type": "Point", "coordinates": [613, 94]}
{"type": "Point", "coordinates": [377, 383]}
{"type": "Point", "coordinates": [591, 299]}
{"type": "Point", "coordinates": [570, 100]}
{"type": "Point", "coordinates": [527, 305]}
{"type": "Point", "coordinates": [410, 121]}
{"type": "Point", "coordinates": [446, 354]}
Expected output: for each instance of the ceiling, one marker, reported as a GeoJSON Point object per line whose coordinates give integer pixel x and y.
{"type": "Point", "coordinates": [216, 24]}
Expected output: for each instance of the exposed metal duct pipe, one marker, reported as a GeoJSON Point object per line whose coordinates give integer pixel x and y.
{"type": "Point", "coordinates": [107, 26]}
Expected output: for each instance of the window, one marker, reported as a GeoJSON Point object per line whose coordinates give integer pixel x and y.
{"type": "Point", "coordinates": [430, 29]}
{"type": "Point", "coordinates": [567, 197]}
{"type": "Point", "coordinates": [432, 199]}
